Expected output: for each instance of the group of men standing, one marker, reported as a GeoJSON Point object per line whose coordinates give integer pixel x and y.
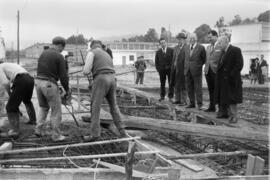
{"type": "Point", "coordinates": [19, 84]}
{"type": "Point", "coordinates": [182, 66]}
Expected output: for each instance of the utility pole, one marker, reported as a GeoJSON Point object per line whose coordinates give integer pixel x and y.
{"type": "Point", "coordinates": [170, 34]}
{"type": "Point", "coordinates": [76, 39]}
{"type": "Point", "coordinates": [18, 37]}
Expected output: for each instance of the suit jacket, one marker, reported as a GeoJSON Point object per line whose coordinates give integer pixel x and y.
{"type": "Point", "coordinates": [213, 55]}
{"type": "Point", "coordinates": [182, 57]}
{"type": "Point", "coordinates": [228, 88]}
{"type": "Point", "coordinates": [196, 60]}
{"type": "Point", "coordinates": [163, 61]}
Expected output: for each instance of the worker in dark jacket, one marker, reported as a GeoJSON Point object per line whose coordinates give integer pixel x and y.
{"type": "Point", "coordinates": [163, 62]}
{"type": "Point", "coordinates": [51, 68]}
{"type": "Point", "coordinates": [140, 66]}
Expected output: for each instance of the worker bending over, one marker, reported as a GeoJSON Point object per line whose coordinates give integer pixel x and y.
{"type": "Point", "coordinates": [100, 64]}
{"type": "Point", "coordinates": [19, 84]}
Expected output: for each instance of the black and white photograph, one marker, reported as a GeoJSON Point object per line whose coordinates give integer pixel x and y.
{"type": "Point", "coordinates": [134, 89]}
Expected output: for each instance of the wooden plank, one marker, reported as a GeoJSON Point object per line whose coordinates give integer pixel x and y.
{"type": "Point", "coordinates": [258, 166]}
{"type": "Point", "coordinates": [250, 164]}
{"type": "Point", "coordinates": [203, 130]}
{"type": "Point", "coordinates": [130, 160]}
{"type": "Point", "coordinates": [96, 156]}
{"type": "Point", "coordinates": [120, 169]}
{"type": "Point", "coordinates": [256, 177]}
{"type": "Point", "coordinates": [6, 146]}
{"type": "Point", "coordinates": [188, 163]}
{"type": "Point", "coordinates": [207, 155]}
{"type": "Point", "coordinates": [26, 150]}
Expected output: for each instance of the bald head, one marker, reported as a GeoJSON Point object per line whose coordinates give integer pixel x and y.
{"type": "Point", "coordinates": [222, 42]}
{"type": "Point", "coordinates": [193, 38]}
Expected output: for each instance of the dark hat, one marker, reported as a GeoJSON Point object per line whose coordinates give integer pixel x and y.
{"type": "Point", "coordinates": [181, 35]}
{"type": "Point", "coordinates": [59, 40]}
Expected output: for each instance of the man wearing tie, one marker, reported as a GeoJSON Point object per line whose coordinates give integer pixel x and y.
{"type": "Point", "coordinates": [228, 90]}
{"type": "Point", "coordinates": [163, 61]}
{"type": "Point", "coordinates": [193, 72]}
{"type": "Point", "coordinates": [213, 56]}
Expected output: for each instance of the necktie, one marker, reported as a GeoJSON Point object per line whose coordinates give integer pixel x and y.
{"type": "Point", "coordinates": [191, 47]}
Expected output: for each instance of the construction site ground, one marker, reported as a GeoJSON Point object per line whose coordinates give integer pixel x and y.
{"type": "Point", "coordinates": [141, 102]}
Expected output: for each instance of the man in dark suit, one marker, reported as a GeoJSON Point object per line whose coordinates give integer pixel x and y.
{"type": "Point", "coordinates": [213, 55]}
{"type": "Point", "coordinates": [228, 91]}
{"type": "Point", "coordinates": [193, 72]}
{"type": "Point", "coordinates": [180, 55]}
{"type": "Point", "coordinates": [163, 62]}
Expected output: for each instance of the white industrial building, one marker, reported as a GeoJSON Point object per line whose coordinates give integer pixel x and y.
{"type": "Point", "coordinates": [253, 39]}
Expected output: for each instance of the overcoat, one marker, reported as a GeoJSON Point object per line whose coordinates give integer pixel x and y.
{"type": "Point", "coordinates": [228, 88]}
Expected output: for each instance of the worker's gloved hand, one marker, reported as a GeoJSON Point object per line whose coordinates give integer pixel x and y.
{"type": "Point", "coordinates": [67, 98]}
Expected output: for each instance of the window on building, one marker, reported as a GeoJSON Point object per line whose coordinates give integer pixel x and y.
{"type": "Point", "coordinates": [125, 46]}
{"type": "Point", "coordinates": [136, 46]}
{"type": "Point", "coordinates": [113, 46]}
{"type": "Point", "coordinates": [131, 57]}
{"type": "Point", "coordinates": [119, 46]}
{"type": "Point", "coordinates": [131, 46]}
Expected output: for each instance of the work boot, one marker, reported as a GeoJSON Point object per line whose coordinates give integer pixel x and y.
{"type": "Point", "coordinates": [90, 138]}
{"type": "Point", "coordinates": [31, 113]}
{"type": "Point", "coordinates": [13, 118]}
{"type": "Point", "coordinates": [56, 136]}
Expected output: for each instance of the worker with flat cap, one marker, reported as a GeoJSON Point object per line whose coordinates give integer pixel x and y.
{"type": "Point", "coordinates": [51, 68]}
{"type": "Point", "coordinates": [19, 85]}
{"type": "Point", "coordinates": [100, 64]}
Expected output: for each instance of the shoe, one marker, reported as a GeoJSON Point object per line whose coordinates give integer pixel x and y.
{"type": "Point", "coordinates": [90, 138]}
{"type": "Point", "coordinates": [199, 107]}
{"type": "Point", "coordinates": [10, 134]}
{"type": "Point", "coordinates": [58, 138]}
{"type": "Point", "coordinates": [37, 133]}
{"type": "Point", "coordinates": [190, 106]}
{"type": "Point", "coordinates": [170, 100]}
{"type": "Point", "coordinates": [182, 104]}
{"type": "Point", "coordinates": [161, 99]}
{"type": "Point", "coordinates": [210, 109]}
{"type": "Point", "coordinates": [176, 102]}
{"type": "Point", "coordinates": [221, 116]}
{"type": "Point", "coordinates": [31, 123]}
{"type": "Point", "coordinates": [232, 120]}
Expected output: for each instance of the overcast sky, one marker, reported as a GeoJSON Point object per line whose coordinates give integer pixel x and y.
{"type": "Point", "coordinates": [41, 20]}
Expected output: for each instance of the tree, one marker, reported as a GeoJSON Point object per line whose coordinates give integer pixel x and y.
{"type": "Point", "coordinates": [237, 20]}
{"type": "Point", "coordinates": [220, 23]}
{"type": "Point", "coordinates": [79, 39]}
{"type": "Point", "coordinates": [167, 35]}
{"type": "Point", "coordinates": [264, 17]}
{"type": "Point", "coordinates": [138, 38]}
{"type": "Point", "coordinates": [249, 21]}
{"type": "Point", "coordinates": [202, 32]}
{"type": "Point", "coordinates": [151, 35]}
